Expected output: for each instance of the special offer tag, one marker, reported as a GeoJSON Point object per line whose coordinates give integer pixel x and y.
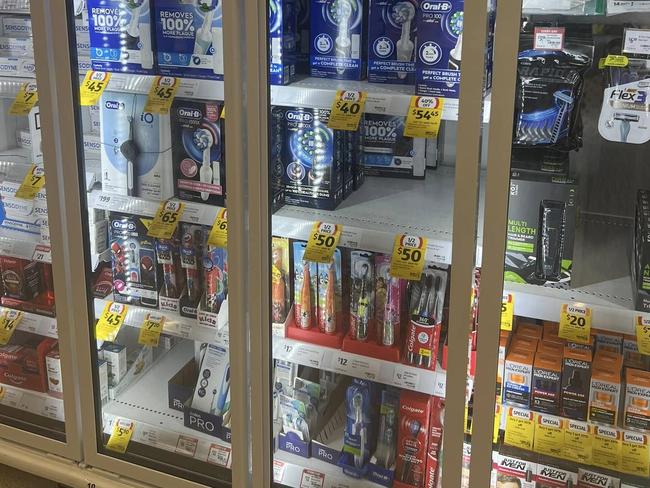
{"type": "Point", "coordinates": [9, 321]}
{"type": "Point", "coordinates": [520, 428]}
{"type": "Point", "coordinates": [151, 330]}
{"type": "Point", "coordinates": [347, 110]}
{"type": "Point", "coordinates": [219, 233]}
{"type": "Point", "coordinates": [322, 242]}
{"type": "Point", "coordinates": [166, 221]}
{"type": "Point", "coordinates": [424, 116]}
{"type": "Point", "coordinates": [507, 311]}
{"type": "Point", "coordinates": [25, 100]}
{"type": "Point", "coordinates": [549, 38]}
{"type": "Point", "coordinates": [92, 87]}
{"type": "Point", "coordinates": [407, 261]}
{"type": "Point", "coordinates": [161, 94]}
{"type": "Point", "coordinates": [110, 321]}
{"type": "Point", "coordinates": [575, 323]}
{"type": "Point", "coordinates": [33, 182]}
{"type": "Point", "coordinates": [120, 436]}
{"type": "Point", "coordinates": [642, 326]}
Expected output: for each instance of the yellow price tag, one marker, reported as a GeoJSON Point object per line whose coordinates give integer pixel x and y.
{"type": "Point", "coordinates": [549, 435]}
{"type": "Point", "coordinates": [9, 321]}
{"type": "Point", "coordinates": [408, 257]}
{"type": "Point", "coordinates": [322, 243]}
{"type": "Point", "coordinates": [424, 116]}
{"type": "Point", "coordinates": [497, 422]}
{"type": "Point", "coordinates": [151, 330]}
{"type": "Point", "coordinates": [92, 87]}
{"type": "Point", "coordinates": [578, 441]}
{"type": "Point", "coordinates": [33, 182]}
{"type": "Point", "coordinates": [575, 323]}
{"type": "Point", "coordinates": [166, 221]}
{"type": "Point", "coordinates": [642, 326]}
{"type": "Point", "coordinates": [120, 436]}
{"type": "Point", "coordinates": [635, 454]}
{"type": "Point", "coordinates": [606, 450]}
{"type": "Point", "coordinates": [520, 428]}
{"type": "Point", "coordinates": [615, 61]}
{"type": "Point", "coordinates": [507, 311]}
{"type": "Point", "coordinates": [25, 100]}
{"type": "Point", "coordinates": [161, 94]}
{"type": "Point", "coordinates": [110, 321]}
{"type": "Point", "coordinates": [223, 113]}
{"type": "Point", "coordinates": [347, 110]}
{"type": "Point", "coordinates": [219, 233]}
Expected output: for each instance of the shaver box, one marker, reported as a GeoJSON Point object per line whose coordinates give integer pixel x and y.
{"type": "Point", "coordinates": [283, 27]}
{"type": "Point", "coordinates": [189, 38]}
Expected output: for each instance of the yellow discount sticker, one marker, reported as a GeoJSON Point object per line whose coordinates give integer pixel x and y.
{"type": "Point", "coordinates": [606, 449]}
{"type": "Point", "coordinates": [408, 258]}
{"type": "Point", "coordinates": [507, 311]}
{"type": "Point", "coordinates": [578, 441]}
{"type": "Point", "coordinates": [424, 116]}
{"type": "Point", "coordinates": [161, 94]}
{"type": "Point", "coordinates": [575, 323]}
{"type": "Point", "coordinates": [25, 100]}
{"type": "Point", "coordinates": [120, 435]}
{"type": "Point", "coordinates": [520, 428]}
{"type": "Point", "coordinates": [635, 454]}
{"type": "Point", "coordinates": [549, 435]}
{"type": "Point", "coordinates": [347, 110]}
{"type": "Point", "coordinates": [92, 87]}
{"type": "Point", "coordinates": [110, 321]}
{"type": "Point", "coordinates": [219, 233]}
{"type": "Point", "coordinates": [323, 239]}
{"type": "Point", "coordinates": [615, 61]}
{"type": "Point", "coordinates": [151, 329]}
{"type": "Point", "coordinates": [642, 326]}
{"type": "Point", "coordinates": [33, 182]}
{"type": "Point", "coordinates": [9, 322]}
{"type": "Point", "coordinates": [166, 221]}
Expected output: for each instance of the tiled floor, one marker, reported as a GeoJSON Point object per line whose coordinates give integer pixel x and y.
{"type": "Point", "coordinates": [11, 478]}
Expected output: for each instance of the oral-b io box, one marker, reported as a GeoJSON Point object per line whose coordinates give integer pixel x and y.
{"type": "Point", "coordinates": [338, 47]}
{"type": "Point", "coordinates": [283, 41]}
{"type": "Point", "coordinates": [189, 38]}
{"type": "Point", "coordinates": [120, 36]}
{"type": "Point", "coordinates": [392, 36]}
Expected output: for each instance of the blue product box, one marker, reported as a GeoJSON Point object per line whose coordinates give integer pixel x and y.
{"type": "Point", "coordinates": [392, 35]}
{"type": "Point", "coordinates": [189, 38]}
{"type": "Point", "coordinates": [302, 37]}
{"type": "Point", "coordinates": [440, 42]}
{"type": "Point", "coordinates": [282, 39]}
{"type": "Point", "coordinates": [120, 36]}
{"type": "Point", "coordinates": [338, 33]}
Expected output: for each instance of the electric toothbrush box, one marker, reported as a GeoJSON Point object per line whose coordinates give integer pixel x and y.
{"type": "Point", "coordinates": [197, 151]}
{"type": "Point", "coordinates": [189, 38]}
{"type": "Point", "coordinates": [338, 39]}
{"type": "Point", "coordinates": [439, 46]}
{"type": "Point", "coordinates": [328, 443]}
{"type": "Point", "coordinates": [392, 34]}
{"type": "Point", "coordinates": [120, 36]}
{"type": "Point", "coordinates": [283, 26]}
{"type": "Point", "coordinates": [302, 36]}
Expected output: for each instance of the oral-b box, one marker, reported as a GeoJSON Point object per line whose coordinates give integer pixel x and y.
{"type": "Point", "coordinates": [302, 36]}
{"type": "Point", "coordinates": [392, 35]}
{"type": "Point", "coordinates": [439, 46]}
{"type": "Point", "coordinates": [282, 38]}
{"type": "Point", "coordinates": [135, 148]}
{"type": "Point", "coordinates": [338, 39]}
{"type": "Point", "coordinates": [213, 382]}
{"type": "Point", "coordinates": [189, 38]}
{"type": "Point", "coordinates": [120, 36]}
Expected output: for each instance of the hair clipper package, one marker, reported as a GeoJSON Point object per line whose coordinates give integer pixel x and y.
{"type": "Point", "coordinates": [338, 32]}
{"type": "Point", "coordinates": [305, 293]}
{"type": "Point", "coordinates": [120, 36]}
{"type": "Point", "coordinates": [282, 39]}
{"type": "Point", "coordinates": [189, 38]}
{"type": "Point", "coordinates": [197, 151]}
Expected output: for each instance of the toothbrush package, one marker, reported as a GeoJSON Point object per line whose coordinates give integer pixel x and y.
{"type": "Point", "coordinates": [362, 295]}
{"type": "Point", "coordinates": [412, 439]}
{"type": "Point", "coordinates": [120, 36]}
{"type": "Point", "coordinates": [189, 38]}
{"type": "Point", "coordinates": [283, 26]}
{"type": "Point", "coordinates": [330, 295]}
{"type": "Point", "coordinates": [392, 35]}
{"type": "Point", "coordinates": [305, 276]}
{"type": "Point", "coordinates": [280, 280]}
{"type": "Point", "coordinates": [382, 463]}
{"type": "Point", "coordinates": [213, 383]}
{"type": "Point", "coordinates": [198, 151]}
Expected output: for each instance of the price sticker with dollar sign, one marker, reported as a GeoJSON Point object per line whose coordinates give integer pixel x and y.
{"type": "Point", "coordinates": [166, 221]}
{"type": "Point", "coordinates": [25, 100]}
{"type": "Point", "coordinates": [9, 321]}
{"type": "Point", "coordinates": [347, 110]}
{"type": "Point", "coordinates": [507, 311]}
{"type": "Point", "coordinates": [120, 435]}
{"type": "Point", "coordinates": [322, 243]}
{"type": "Point", "coordinates": [33, 182]}
{"type": "Point", "coordinates": [161, 94]}
{"type": "Point", "coordinates": [642, 326]}
{"type": "Point", "coordinates": [408, 257]}
{"type": "Point", "coordinates": [219, 233]}
{"type": "Point", "coordinates": [151, 330]}
{"type": "Point", "coordinates": [575, 323]}
{"type": "Point", "coordinates": [424, 116]}
{"type": "Point", "coordinates": [92, 87]}
{"type": "Point", "coordinates": [110, 321]}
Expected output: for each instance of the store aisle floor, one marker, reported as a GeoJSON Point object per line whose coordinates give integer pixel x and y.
{"type": "Point", "coordinates": [12, 478]}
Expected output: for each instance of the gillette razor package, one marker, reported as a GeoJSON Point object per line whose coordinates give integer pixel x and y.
{"type": "Point", "coordinates": [305, 288]}
{"type": "Point", "coordinates": [120, 36]}
{"type": "Point", "coordinates": [362, 405]}
{"type": "Point", "coordinates": [392, 36]}
{"type": "Point", "coordinates": [136, 280]}
{"type": "Point", "coordinates": [541, 229]}
{"type": "Point", "coordinates": [283, 27]}
{"type": "Point", "coordinates": [338, 33]}
{"type": "Point", "coordinates": [387, 152]}
{"type": "Point", "coordinates": [189, 38]}
{"type": "Point", "coordinates": [197, 151]}
{"type": "Point", "coordinates": [439, 25]}
{"type": "Point", "coordinates": [135, 148]}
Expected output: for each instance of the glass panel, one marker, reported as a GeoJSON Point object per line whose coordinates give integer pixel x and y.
{"type": "Point", "coordinates": [152, 120]}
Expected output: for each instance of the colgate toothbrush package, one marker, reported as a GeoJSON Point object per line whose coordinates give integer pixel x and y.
{"type": "Point", "coordinates": [191, 251]}
{"type": "Point", "coordinates": [215, 279]}
{"type": "Point", "coordinates": [412, 442]}
{"type": "Point", "coordinates": [434, 449]}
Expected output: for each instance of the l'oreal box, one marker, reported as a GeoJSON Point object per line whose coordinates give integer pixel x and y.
{"type": "Point", "coordinates": [605, 390]}
{"type": "Point", "coordinates": [608, 341]}
{"type": "Point", "coordinates": [637, 400]}
{"type": "Point", "coordinates": [283, 41]}
{"type": "Point", "coordinates": [338, 39]}
{"type": "Point", "coordinates": [529, 330]}
{"type": "Point", "coordinates": [547, 376]}
{"type": "Point", "coordinates": [632, 358]}
{"type": "Point", "coordinates": [518, 376]}
{"type": "Point", "coordinates": [189, 38]}
{"type": "Point", "coordinates": [504, 339]}
{"type": "Point", "coordinates": [576, 375]}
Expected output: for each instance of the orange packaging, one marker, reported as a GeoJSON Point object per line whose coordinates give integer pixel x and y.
{"type": "Point", "coordinates": [607, 340]}
{"type": "Point", "coordinates": [524, 342]}
{"type": "Point", "coordinates": [586, 347]}
{"type": "Point", "coordinates": [552, 347]}
{"type": "Point", "coordinates": [504, 337]}
{"type": "Point", "coordinates": [605, 390]}
{"type": "Point", "coordinates": [518, 376]}
{"type": "Point", "coordinates": [637, 400]}
{"type": "Point", "coordinates": [576, 374]}
{"type": "Point", "coordinates": [529, 330]}
{"type": "Point", "coordinates": [632, 358]}
{"type": "Point", "coordinates": [547, 375]}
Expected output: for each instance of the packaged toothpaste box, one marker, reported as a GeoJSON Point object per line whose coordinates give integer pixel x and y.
{"type": "Point", "coordinates": [338, 33]}
{"type": "Point", "coordinates": [392, 35]}
{"type": "Point", "coordinates": [120, 36]}
{"type": "Point", "coordinates": [189, 38]}
{"type": "Point", "coordinates": [439, 46]}
{"type": "Point", "coordinates": [282, 39]}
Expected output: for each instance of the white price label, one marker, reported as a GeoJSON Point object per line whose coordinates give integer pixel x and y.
{"type": "Point", "coordinates": [351, 238]}
{"type": "Point", "coordinates": [105, 202]}
{"type": "Point", "coordinates": [278, 470]}
{"type": "Point", "coordinates": [51, 409]}
{"type": "Point", "coordinates": [311, 479]}
{"type": "Point", "coordinates": [549, 38]}
{"type": "Point", "coordinates": [637, 41]}
{"type": "Point", "coordinates": [440, 389]}
{"type": "Point", "coordinates": [42, 254]}
{"type": "Point", "coordinates": [356, 366]}
{"type": "Point", "coordinates": [406, 377]}
{"type": "Point", "coordinates": [11, 397]}
{"type": "Point", "coordinates": [186, 445]}
{"type": "Point", "coordinates": [308, 356]}
{"type": "Point", "coordinates": [219, 455]}
{"type": "Point", "coordinates": [185, 330]}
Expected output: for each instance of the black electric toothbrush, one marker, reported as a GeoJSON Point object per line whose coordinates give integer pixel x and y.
{"type": "Point", "coordinates": [130, 151]}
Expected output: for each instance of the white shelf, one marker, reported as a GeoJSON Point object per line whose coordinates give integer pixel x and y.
{"type": "Point", "coordinates": [146, 404]}
{"type": "Point", "coordinates": [364, 367]}
{"type": "Point", "coordinates": [21, 245]}
{"type": "Point", "coordinates": [34, 402]}
{"type": "Point", "coordinates": [382, 98]}
{"type": "Point", "coordinates": [10, 85]}
{"type": "Point", "coordinates": [37, 324]}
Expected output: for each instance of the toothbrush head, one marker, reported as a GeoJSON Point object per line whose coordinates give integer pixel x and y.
{"type": "Point", "coordinates": [403, 12]}
{"type": "Point", "coordinates": [455, 23]}
{"type": "Point", "coordinates": [133, 4]}
{"type": "Point", "coordinates": [413, 427]}
{"type": "Point", "coordinates": [207, 5]}
{"type": "Point", "coordinates": [203, 138]}
{"type": "Point", "coordinates": [341, 11]}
